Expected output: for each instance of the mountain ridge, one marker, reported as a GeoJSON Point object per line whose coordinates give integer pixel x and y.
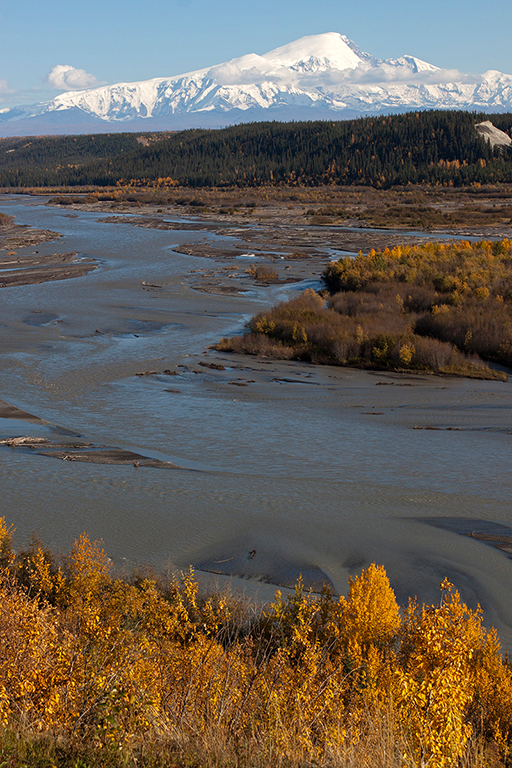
{"type": "Point", "coordinates": [323, 76]}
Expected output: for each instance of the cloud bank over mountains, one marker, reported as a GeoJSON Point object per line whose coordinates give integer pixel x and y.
{"type": "Point", "coordinates": [317, 77]}
{"type": "Point", "coordinates": [67, 78]}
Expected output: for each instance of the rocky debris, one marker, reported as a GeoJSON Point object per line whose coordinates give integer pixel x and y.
{"type": "Point", "coordinates": [14, 236]}
{"type": "Point", "coordinates": [493, 135]}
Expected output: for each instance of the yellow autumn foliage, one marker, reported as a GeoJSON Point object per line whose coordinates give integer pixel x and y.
{"type": "Point", "coordinates": [108, 663]}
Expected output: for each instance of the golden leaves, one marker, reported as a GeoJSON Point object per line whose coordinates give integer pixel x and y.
{"type": "Point", "coordinates": [120, 662]}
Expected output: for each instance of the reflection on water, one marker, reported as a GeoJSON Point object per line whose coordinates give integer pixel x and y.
{"type": "Point", "coordinates": [316, 470]}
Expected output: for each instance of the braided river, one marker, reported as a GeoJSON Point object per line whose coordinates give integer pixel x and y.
{"type": "Point", "coordinates": [284, 468]}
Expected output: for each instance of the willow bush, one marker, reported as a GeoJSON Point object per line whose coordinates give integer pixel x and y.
{"type": "Point", "coordinates": [107, 670]}
{"type": "Point", "coordinates": [444, 307]}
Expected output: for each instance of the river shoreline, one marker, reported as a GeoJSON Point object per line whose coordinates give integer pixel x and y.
{"type": "Point", "coordinates": [287, 228]}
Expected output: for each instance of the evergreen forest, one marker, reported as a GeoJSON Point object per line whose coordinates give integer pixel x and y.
{"type": "Point", "coordinates": [432, 147]}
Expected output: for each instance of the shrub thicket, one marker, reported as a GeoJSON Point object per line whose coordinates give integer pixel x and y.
{"type": "Point", "coordinates": [98, 670]}
{"type": "Point", "coordinates": [437, 306]}
{"type": "Point", "coordinates": [5, 219]}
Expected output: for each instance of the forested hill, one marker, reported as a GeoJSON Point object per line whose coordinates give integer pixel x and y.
{"type": "Point", "coordinates": [417, 147]}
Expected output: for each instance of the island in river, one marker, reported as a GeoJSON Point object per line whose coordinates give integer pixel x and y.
{"type": "Point", "coordinates": [440, 307]}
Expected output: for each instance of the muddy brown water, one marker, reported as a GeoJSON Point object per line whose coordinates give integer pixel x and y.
{"type": "Point", "coordinates": [289, 469]}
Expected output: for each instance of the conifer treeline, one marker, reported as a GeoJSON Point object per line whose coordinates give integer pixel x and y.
{"type": "Point", "coordinates": [417, 147]}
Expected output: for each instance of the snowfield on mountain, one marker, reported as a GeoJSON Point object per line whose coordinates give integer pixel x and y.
{"type": "Point", "coordinates": [317, 77]}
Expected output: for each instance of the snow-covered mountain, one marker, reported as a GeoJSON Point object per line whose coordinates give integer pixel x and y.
{"type": "Point", "coordinates": [317, 77]}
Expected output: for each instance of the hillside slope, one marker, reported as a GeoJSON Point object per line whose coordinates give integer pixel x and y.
{"type": "Point", "coordinates": [423, 147]}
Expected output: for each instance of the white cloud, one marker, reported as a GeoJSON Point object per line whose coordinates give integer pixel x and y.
{"type": "Point", "coordinates": [6, 95]}
{"type": "Point", "coordinates": [231, 74]}
{"type": "Point", "coordinates": [405, 71]}
{"type": "Point", "coordinates": [385, 73]}
{"type": "Point", "coordinates": [67, 78]}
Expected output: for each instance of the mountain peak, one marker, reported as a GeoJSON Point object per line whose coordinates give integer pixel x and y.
{"type": "Point", "coordinates": [413, 63]}
{"type": "Point", "coordinates": [330, 50]}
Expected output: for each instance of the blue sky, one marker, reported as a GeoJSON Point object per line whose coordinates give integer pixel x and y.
{"type": "Point", "coordinates": [110, 41]}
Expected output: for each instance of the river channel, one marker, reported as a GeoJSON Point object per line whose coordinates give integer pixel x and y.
{"type": "Point", "coordinates": [285, 468]}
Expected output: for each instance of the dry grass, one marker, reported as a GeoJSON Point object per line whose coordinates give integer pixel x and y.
{"type": "Point", "coordinates": [411, 207]}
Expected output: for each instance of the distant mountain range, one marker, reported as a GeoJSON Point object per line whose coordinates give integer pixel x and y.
{"type": "Point", "coordinates": [315, 78]}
